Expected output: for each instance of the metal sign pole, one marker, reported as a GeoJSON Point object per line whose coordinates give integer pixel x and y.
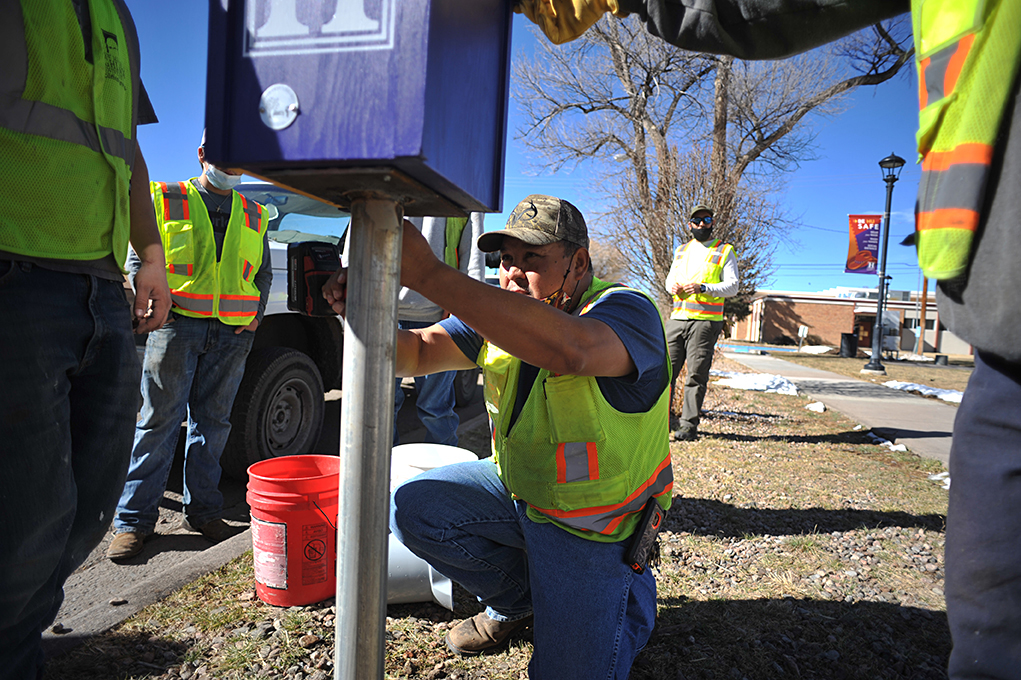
{"type": "Point", "coordinates": [366, 428]}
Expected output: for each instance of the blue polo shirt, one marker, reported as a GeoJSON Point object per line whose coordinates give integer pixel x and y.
{"type": "Point", "coordinates": [637, 323]}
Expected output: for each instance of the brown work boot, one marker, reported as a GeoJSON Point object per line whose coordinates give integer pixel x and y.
{"type": "Point", "coordinates": [215, 530]}
{"type": "Point", "coordinates": [125, 545]}
{"type": "Point", "coordinates": [481, 634]}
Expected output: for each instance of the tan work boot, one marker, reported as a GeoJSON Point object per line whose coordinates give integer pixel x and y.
{"type": "Point", "coordinates": [125, 545]}
{"type": "Point", "coordinates": [480, 634]}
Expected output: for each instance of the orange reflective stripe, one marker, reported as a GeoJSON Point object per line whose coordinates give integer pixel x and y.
{"type": "Point", "coordinates": [690, 306]}
{"type": "Point", "coordinates": [947, 218]}
{"type": "Point", "coordinates": [239, 305]}
{"type": "Point", "coordinates": [199, 304]}
{"type": "Point", "coordinates": [957, 63]}
{"type": "Point", "coordinates": [254, 211]}
{"type": "Point", "coordinates": [606, 518]}
{"type": "Point", "coordinates": [937, 161]}
{"type": "Point", "coordinates": [182, 269]}
{"type": "Point", "coordinates": [175, 201]}
{"type": "Point", "coordinates": [246, 270]}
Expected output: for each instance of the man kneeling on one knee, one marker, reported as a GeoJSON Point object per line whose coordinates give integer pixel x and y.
{"type": "Point", "coordinates": [576, 384]}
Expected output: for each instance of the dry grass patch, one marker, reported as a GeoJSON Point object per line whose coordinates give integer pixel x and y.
{"type": "Point", "coordinates": [795, 549]}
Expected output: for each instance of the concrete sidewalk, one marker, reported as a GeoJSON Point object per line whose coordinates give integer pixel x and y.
{"type": "Point", "coordinates": [923, 425]}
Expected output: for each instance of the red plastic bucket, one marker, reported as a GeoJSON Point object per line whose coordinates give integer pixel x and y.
{"type": "Point", "coordinates": [294, 511]}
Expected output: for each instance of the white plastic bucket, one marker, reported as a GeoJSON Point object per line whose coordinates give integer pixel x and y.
{"type": "Point", "coordinates": [410, 578]}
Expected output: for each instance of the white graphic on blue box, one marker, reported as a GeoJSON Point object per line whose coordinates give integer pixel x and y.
{"type": "Point", "coordinates": [281, 27]}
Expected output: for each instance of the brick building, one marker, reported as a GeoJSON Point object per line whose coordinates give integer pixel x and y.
{"type": "Point", "coordinates": [777, 315]}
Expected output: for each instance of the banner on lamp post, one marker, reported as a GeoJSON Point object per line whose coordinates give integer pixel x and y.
{"type": "Point", "coordinates": [863, 244]}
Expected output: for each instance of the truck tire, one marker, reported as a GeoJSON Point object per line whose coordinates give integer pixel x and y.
{"type": "Point", "coordinates": [278, 410]}
{"type": "Point", "coordinates": [466, 386]}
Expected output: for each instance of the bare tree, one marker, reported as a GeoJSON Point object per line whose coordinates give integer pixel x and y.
{"type": "Point", "coordinates": [664, 128]}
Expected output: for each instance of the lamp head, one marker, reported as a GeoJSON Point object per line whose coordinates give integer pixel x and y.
{"type": "Point", "coordinates": [891, 166]}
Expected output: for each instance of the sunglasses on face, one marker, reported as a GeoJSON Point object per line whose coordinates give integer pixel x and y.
{"type": "Point", "coordinates": [707, 220]}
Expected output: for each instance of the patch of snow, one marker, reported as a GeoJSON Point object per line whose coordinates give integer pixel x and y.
{"type": "Point", "coordinates": [879, 441]}
{"type": "Point", "coordinates": [758, 382]}
{"type": "Point", "coordinates": [951, 396]}
{"type": "Point", "coordinates": [815, 349]}
{"type": "Point", "coordinates": [915, 357]}
{"type": "Point", "coordinates": [817, 406]}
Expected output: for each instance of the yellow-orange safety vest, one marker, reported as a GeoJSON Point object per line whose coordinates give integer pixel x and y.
{"type": "Point", "coordinates": [967, 54]}
{"type": "Point", "coordinates": [704, 306]}
{"type": "Point", "coordinates": [576, 460]}
{"type": "Point", "coordinates": [200, 285]}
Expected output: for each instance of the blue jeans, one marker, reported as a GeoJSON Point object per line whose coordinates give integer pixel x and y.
{"type": "Point", "coordinates": [434, 397]}
{"type": "Point", "coordinates": [983, 551]}
{"type": "Point", "coordinates": [192, 369]}
{"type": "Point", "coordinates": [593, 614]}
{"type": "Point", "coordinates": [68, 398]}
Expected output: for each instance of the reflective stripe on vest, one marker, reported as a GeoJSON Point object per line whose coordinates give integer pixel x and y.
{"type": "Point", "coordinates": [967, 61]}
{"type": "Point", "coordinates": [604, 519]}
{"type": "Point", "coordinates": [175, 201]}
{"type": "Point", "coordinates": [239, 305]}
{"type": "Point", "coordinates": [253, 213]}
{"type": "Point", "coordinates": [198, 304]}
{"type": "Point", "coordinates": [181, 269]}
{"type": "Point", "coordinates": [577, 461]}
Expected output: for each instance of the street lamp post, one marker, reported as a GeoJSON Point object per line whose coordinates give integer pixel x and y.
{"type": "Point", "coordinates": [891, 167]}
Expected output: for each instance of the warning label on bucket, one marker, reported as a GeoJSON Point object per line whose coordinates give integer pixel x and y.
{"type": "Point", "coordinates": [314, 564]}
{"type": "Point", "coordinates": [269, 547]}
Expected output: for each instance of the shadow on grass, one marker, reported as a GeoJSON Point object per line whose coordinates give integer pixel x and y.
{"type": "Point", "coordinates": [791, 638]}
{"type": "Point", "coordinates": [712, 518]}
{"type": "Point", "coordinates": [849, 437]}
{"type": "Point", "coordinates": [117, 655]}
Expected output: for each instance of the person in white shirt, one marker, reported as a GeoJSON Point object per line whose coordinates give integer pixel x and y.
{"type": "Point", "coordinates": [703, 273]}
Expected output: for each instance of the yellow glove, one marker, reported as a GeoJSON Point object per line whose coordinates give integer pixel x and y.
{"type": "Point", "coordinates": [564, 20]}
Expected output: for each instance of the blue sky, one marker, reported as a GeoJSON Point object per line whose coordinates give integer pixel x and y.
{"type": "Point", "coordinates": [845, 179]}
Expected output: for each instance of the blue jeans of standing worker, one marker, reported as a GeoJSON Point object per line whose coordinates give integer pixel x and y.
{"type": "Point", "coordinates": [68, 398]}
{"type": "Point", "coordinates": [192, 368]}
{"type": "Point", "coordinates": [983, 549]}
{"type": "Point", "coordinates": [434, 397]}
{"type": "Point", "coordinates": [593, 614]}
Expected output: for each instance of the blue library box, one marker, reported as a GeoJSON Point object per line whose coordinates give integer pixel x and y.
{"type": "Point", "coordinates": [332, 98]}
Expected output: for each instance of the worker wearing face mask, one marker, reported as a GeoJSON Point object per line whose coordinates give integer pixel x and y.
{"type": "Point", "coordinates": [218, 268]}
{"type": "Point", "coordinates": [703, 273]}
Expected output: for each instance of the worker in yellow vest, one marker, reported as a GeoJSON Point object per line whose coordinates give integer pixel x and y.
{"type": "Point", "coordinates": [968, 56]}
{"type": "Point", "coordinates": [74, 194]}
{"type": "Point", "coordinates": [453, 240]}
{"type": "Point", "coordinates": [703, 273]}
{"type": "Point", "coordinates": [576, 376]}
{"type": "Point", "coordinates": [218, 267]}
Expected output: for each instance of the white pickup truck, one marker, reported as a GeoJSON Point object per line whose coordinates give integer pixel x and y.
{"type": "Point", "coordinates": [279, 407]}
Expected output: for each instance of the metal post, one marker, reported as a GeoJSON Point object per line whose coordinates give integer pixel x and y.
{"type": "Point", "coordinates": [366, 427]}
{"type": "Point", "coordinates": [875, 365]}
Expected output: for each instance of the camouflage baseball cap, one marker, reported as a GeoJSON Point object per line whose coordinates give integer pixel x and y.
{"type": "Point", "coordinates": [700, 208]}
{"type": "Point", "coordinates": [540, 220]}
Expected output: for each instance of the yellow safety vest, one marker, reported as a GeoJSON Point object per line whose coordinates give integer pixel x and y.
{"type": "Point", "coordinates": [967, 57]}
{"type": "Point", "coordinates": [199, 285]}
{"type": "Point", "coordinates": [702, 305]}
{"type": "Point", "coordinates": [576, 460]}
{"type": "Point", "coordinates": [67, 130]}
